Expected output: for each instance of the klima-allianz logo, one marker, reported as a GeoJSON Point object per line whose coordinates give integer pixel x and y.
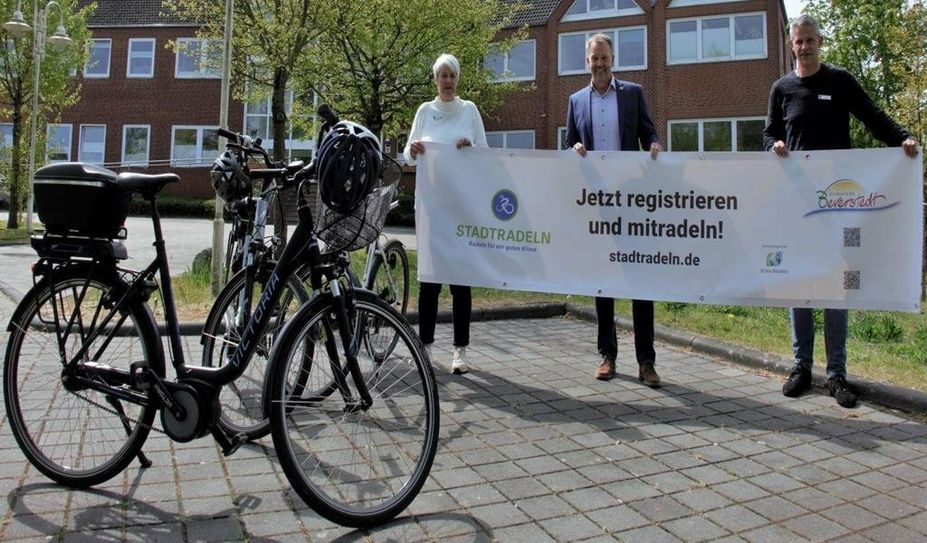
{"type": "Point", "coordinates": [849, 195]}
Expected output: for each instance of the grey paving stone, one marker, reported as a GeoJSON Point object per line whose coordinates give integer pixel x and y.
{"type": "Point", "coordinates": [499, 515]}
{"type": "Point", "coordinates": [695, 529]}
{"type": "Point", "coordinates": [648, 534]}
{"type": "Point", "coordinates": [740, 490]}
{"type": "Point", "coordinates": [216, 529]}
{"type": "Point", "coordinates": [526, 533]}
{"type": "Point", "coordinates": [736, 518]}
{"type": "Point", "coordinates": [886, 506]}
{"type": "Point", "coordinates": [770, 534]}
{"type": "Point", "coordinates": [775, 508]}
{"type": "Point", "coordinates": [545, 507]}
{"type": "Point", "coordinates": [815, 527]}
{"type": "Point", "coordinates": [660, 509]}
{"type": "Point", "coordinates": [573, 528]}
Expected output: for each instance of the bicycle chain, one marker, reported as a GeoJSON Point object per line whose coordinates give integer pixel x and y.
{"type": "Point", "coordinates": [121, 415]}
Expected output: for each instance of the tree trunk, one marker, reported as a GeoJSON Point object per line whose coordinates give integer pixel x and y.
{"type": "Point", "coordinates": [16, 184]}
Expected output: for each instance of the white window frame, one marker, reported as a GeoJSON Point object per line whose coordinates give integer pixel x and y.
{"type": "Point", "coordinates": [67, 149]}
{"type": "Point", "coordinates": [109, 59]}
{"type": "Point", "coordinates": [534, 63]}
{"type": "Point", "coordinates": [587, 34]}
{"type": "Point", "coordinates": [292, 145]}
{"type": "Point", "coordinates": [125, 131]}
{"type": "Point", "coordinates": [600, 14]}
{"type": "Point", "coordinates": [202, 72]}
{"type": "Point", "coordinates": [199, 160]}
{"type": "Point", "coordinates": [684, 3]}
{"type": "Point", "coordinates": [701, 130]}
{"type": "Point", "coordinates": [154, 47]}
{"type": "Point", "coordinates": [505, 137]}
{"type": "Point", "coordinates": [733, 43]}
{"type": "Point", "coordinates": [80, 143]}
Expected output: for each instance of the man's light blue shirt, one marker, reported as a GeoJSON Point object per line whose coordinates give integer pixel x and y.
{"type": "Point", "coordinates": [605, 118]}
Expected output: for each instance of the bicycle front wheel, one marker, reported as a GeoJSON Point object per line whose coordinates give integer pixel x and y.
{"type": "Point", "coordinates": [241, 400]}
{"type": "Point", "coordinates": [356, 467]}
{"type": "Point", "coordinates": [74, 434]}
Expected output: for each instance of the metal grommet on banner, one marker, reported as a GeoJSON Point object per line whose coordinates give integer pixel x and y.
{"type": "Point", "coordinates": [511, 155]}
{"type": "Point", "coordinates": [701, 156]}
{"type": "Point", "coordinates": [808, 156]}
{"type": "Point", "coordinates": [602, 156]}
{"type": "Point", "coordinates": [701, 298]}
{"type": "Point", "coordinates": [504, 284]}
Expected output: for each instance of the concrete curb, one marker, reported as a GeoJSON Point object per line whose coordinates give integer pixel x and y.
{"type": "Point", "coordinates": [883, 394]}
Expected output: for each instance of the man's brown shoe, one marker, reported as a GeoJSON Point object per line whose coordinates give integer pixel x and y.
{"type": "Point", "coordinates": [648, 375]}
{"type": "Point", "coordinates": [606, 370]}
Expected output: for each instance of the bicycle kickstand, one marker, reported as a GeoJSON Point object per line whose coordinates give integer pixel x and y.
{"type": "Point", "coordinates": [142, 459]}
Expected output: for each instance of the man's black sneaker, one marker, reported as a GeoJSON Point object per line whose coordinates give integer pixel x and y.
{"type": "Point", "coordinates": [798, 383]}
{"type": "Point", "coordinates": [841, 391]}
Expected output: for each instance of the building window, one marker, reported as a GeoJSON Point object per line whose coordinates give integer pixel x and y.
{"type": "Point", "coordinates": [259, 124]}
{"type": "Point", "coordinates": [135, 141]}
{"type": "Point", "coordinates": [745, 134]}
{"type": "Point", "coordinates": [713, 39]}
{"type": "Point", "coordinates": [92, 143]}
{"type": "Point", "coordinates": [58, 143]}
{"type": "Point", "coordinates": [515, 65]}
{"type": "Point", "coordinates": [6, 130]}
{"type": "Point", "coordinates": [513, 139]}
{"type": "Point", "coordinates": [600, 9]}
{"type": "Point", "coordinates": [194, 145]}
{"type": "Point", "coordinates": [141, 57]}
{"type": "Point", "coordinates": [681, 3]}
{"type": "Point", "coordinates": [98, 63]}
{"type": "Point", "coordinates": [197, 58]}
{"type": "Point", "coordinates": [561, 138]}
{"type": "Point", "coordinates": [630, 49]}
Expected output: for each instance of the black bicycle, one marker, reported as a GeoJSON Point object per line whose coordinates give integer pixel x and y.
{"type": "Point", "coordinates": [85, 376]}
{"type": "Point", "coordinates": [386, 271]}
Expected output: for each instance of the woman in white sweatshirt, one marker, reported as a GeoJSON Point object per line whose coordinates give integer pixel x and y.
{"type": "Point", "coordinates": [446, 119]}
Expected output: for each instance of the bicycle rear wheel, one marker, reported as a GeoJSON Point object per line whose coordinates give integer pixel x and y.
{"type": "Point", "coordinates": [355, 467]}
{"type": "Point", "coordinates": [241, 400]}
{"type": "Point", "coordinates": [74, 434]}
{"type": "Point", "coordinates": [389, 279]}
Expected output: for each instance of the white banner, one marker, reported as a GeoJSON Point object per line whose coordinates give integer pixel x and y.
{"type": "Point", "coordinates": [839, 229]}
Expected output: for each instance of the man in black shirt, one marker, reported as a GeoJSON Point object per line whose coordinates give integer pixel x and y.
{"type": "Point", "coordinates": [809, 109]}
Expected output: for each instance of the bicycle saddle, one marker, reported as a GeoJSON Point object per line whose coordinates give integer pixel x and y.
{"type": "Point", "coordinates": [145, 183]}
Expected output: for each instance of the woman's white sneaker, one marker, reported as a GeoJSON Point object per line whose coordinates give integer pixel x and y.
{"type": "Point", "coordinates": [459, 364]}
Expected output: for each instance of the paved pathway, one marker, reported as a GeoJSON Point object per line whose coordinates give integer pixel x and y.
{"type": "Point", "coordinates": [533, 449]}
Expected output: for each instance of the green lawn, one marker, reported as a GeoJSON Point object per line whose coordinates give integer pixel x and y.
{"type": "Point", "coordinates": [883, 345]}
{"type": "Point", "coordinates": [18, 234]}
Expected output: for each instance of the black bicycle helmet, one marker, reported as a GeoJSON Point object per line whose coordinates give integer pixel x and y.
{"type": "Point", "coordinates": [228, 178]}
{"type": "Point", "coordinates": [349, 164]}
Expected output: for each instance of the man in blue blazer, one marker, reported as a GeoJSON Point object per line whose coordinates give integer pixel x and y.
{"type": "Point", "coordinates": [611, 115]}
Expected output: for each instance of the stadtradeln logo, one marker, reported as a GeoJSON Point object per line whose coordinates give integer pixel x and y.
{"type": "Point", "coordinates": [504, 205]}
{"type": "Point", "coordinates": [849, 195]}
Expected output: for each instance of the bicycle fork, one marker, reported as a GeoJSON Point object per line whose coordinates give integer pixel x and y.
{"type": "Point", "coordinates": [350, 342]}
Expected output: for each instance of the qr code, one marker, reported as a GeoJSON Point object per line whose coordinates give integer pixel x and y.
{"type": "Point", "coordinates": [851, 237]}
{"type": "Point", "coordinates": [851, 280]}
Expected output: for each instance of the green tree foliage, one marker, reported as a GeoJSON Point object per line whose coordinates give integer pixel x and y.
{"type": "Point", "coordinates": [884, 44]}
{"type": "Point", "coordinates": [373, 61]}
{"type": "Point", "coordinates": [270, 39]}
{"type": "Point", "coordinates": [57, 89]}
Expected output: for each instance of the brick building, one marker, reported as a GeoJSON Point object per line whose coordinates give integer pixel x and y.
{"type": "Point", "coordinates": [706, 67]}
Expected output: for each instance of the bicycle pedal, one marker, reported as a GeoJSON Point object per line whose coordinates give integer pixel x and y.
{"type": "Point", "coordinates": [235, 443]}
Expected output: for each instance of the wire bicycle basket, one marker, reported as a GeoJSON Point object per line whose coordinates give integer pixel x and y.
{"type": "Point", "coordinates": [360, 228]}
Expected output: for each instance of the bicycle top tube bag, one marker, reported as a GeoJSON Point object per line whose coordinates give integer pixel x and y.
{"type": "Point", "coordinates": [73, 198]}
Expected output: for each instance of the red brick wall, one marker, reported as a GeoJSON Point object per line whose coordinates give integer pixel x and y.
{"type": "Point", "coordinates": [161, 102]}
{"type": "Point", "coordinates": [706, 90]}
